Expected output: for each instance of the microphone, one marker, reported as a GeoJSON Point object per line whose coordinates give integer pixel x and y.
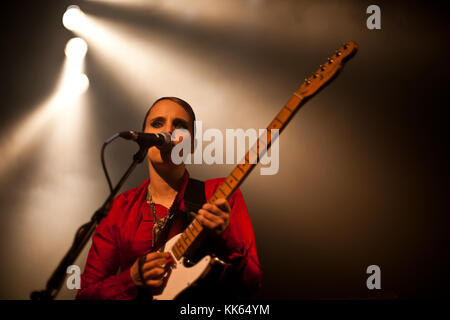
{"type": "Point", "coordinates": [162, 140]}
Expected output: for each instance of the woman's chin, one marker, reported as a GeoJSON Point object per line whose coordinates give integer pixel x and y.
{"type": "Point", "coordinates": [164, 162]}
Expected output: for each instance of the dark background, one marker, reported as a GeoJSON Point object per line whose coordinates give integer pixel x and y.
{"type": "Point", "coordinates": [363, 173]}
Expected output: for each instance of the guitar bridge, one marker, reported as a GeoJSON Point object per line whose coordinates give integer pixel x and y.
{"type": "Point", "coordinates": [215, 270]}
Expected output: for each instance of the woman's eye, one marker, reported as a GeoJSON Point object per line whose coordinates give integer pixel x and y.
{"type": "Point", "coordinates": [156, 124]}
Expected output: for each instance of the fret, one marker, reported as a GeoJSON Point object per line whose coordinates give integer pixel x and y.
{"type": "Point", "coordinates": [245, 167]}
{"type": "Point", "coordinates": [176, 253]}
{"type": "Point", "coordinates": [182, 240]}
{"type": "Point", "coordinates": [179, 246]}
{"type": "Point", "coordinates": [233, 175]}
{"type": "Point", "coordinates": [237, 173]}
{"type": "Point", "coordinates": [213, 199]}
{"type": "Point", "coordinates": [288, 108]}
{"type": "Point", "coordinates": [227, 187]}
{"type": "Point", "coordinates": [190, 234]}
{"type": "Point", "coordinates": [231, 182]}
{"type": "Point", "coordinates": [194, 229]}
{"type": "Point", "coordinates": [197, 226]}
{"type": "Point", "coordinates": [283, 116]}
{"type": "Point", "coordinates": [183, 243]}
{"type": "Point", "coordinates": [281, 122]}
{"type": "Point", "coordinates": [221, 191]}
{"type": "Point", "coordinates": [274, 125]}
{"type": "Point", "coordinates": [219, 195]}
{"type": "Point", "coordinates": [186, 239]}
{"type": "Point", "coordinates": [294, 101]}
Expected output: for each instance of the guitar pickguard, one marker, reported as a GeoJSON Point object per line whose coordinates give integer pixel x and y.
{"type": "Point", "coordinates": [181, 277]}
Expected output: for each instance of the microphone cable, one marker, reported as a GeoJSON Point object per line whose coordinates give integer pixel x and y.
{"type": "Point", "coordinates": [102, 155]}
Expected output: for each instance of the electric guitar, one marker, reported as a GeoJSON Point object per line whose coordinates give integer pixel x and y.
{"type": "Point", "coordinates": [182, 275]}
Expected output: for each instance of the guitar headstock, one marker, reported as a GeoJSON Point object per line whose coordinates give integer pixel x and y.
{"type": "Point", "coordinates": [328, 70]}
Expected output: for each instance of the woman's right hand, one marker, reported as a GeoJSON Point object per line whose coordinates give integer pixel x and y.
{"type": "Point", "coordinates": [153, 267]}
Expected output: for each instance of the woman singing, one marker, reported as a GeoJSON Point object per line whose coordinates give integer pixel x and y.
{"type": "Point", "coordinates": [123, 262]}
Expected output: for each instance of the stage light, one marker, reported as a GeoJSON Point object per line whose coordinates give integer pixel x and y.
{"type": "Point", "coordinates": [76, 84]}
{"type": "Point", "coordinates": [76, 49]}
{"type": "Point", "coordinates": [73, 18]}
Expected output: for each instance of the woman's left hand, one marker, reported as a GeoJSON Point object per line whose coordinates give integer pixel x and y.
{"type": "Point", "coordinates": [215, 216]}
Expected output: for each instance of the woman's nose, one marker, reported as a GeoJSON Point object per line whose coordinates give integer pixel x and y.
{"type": "Point", "coordinates": [167, 128]}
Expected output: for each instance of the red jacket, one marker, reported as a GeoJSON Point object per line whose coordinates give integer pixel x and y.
{"type": "Point", "coordinates": [126, 234]}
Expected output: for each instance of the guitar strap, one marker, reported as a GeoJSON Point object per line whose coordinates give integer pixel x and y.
{"type": "Point", "coordinates": [194, 198]}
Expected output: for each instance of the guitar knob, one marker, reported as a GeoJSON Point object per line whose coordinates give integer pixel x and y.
{"type": "Point", "coordinates": [330, 61]}
{"type": "Point", "coordinates": [322, 67]}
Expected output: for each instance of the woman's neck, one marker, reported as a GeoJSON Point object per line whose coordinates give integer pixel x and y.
{"type": "Point", "coordinates": [165, 183]}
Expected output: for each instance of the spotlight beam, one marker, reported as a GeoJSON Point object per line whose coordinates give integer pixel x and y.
{"type": "Point", "coordinates": [214, 29]}
{"type": "Point", "coordinates": [71, 84]}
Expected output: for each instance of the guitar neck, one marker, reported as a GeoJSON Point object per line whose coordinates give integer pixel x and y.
{"type": "Point", "coordinates": [309, 88]}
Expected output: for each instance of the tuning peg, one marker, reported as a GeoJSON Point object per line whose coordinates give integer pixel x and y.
{"type": "Point", "coordinates": [330, 61]}
{"type": "Point", "coordinates": [345, 45]}
{"type": "Point", "coordinates": [338, 53]}
{"type": "Point", "coordinates": [307, 81]}
{"type": "Point", "coordinates": [315, 75]}
{"type": "Point", "coordinates": [322, 67]}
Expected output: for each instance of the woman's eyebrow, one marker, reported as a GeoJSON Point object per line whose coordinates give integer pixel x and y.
{"type": "Point", "coordinates": [180, 120]}
{"type": "Point", "coordinates": [158, 118]}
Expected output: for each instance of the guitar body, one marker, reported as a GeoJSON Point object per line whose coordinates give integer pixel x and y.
{"type": "Point", "coordinates": [180, 276]}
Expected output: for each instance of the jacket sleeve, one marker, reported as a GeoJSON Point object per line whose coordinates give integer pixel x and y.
{"type": "Point", "coordinates": [238, 247]}
{"type": "Point", "coordinates": [100, 279]}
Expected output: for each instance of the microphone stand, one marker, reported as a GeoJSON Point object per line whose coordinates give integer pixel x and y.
{"type": "Point", "coordinates": [83, 235]}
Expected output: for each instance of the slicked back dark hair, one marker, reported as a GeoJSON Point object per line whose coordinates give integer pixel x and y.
{"type": "Point", "coordinates": [186, 106]}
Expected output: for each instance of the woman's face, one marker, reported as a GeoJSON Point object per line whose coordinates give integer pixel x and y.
{"type": "Point", "coordinates": [166, 116]}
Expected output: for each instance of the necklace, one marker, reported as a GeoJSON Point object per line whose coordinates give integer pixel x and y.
{"type": "Point", "coordinates": [158, 224]}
